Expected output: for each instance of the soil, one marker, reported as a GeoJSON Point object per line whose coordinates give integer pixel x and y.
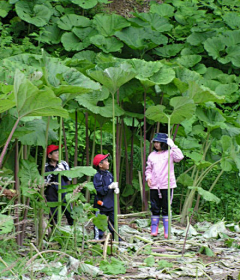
{"type": "Point", "coordinates": [127, 7]}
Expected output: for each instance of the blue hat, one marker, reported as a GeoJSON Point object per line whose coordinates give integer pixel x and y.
{"type": "Point", "coordinates": [160, 137]}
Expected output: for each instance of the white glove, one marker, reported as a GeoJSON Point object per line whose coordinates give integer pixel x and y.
{"type": "Point", "coordinates": [113, 185]}
{"type": "Point", "coordinates": [116, 190]}
{"type": "Point", "coordinates": [170, 142]}
{"type": "Point", "coordinates": [60, 167]}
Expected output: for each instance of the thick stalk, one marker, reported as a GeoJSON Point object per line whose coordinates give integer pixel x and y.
{"type": "Point", "coordinates": [59, 175]}
{"type": "Point", "coordinates": [87, 195]}
{"type": "Point", "coordinates": [40, 225]}
{"type": "Point", "coordinates": [131, 160]}
{"type": "Point", "coordinates": [65, 142]}
{"type": "Point", "coordinates": [19, 195]}
{"type": "Point", "coordinates": [76, 144]}
{"type": "Point", "coordinates": [7, 142]}
{"type": "Point", "coordinates": [145, 204]}
{"type": "Point", "coordinates": [114, 171]}
{"type": "Point", "coordinates": [169, 187]}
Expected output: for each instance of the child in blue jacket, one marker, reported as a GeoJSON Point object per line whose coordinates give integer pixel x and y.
{"type": "Point", "coordinates": [105, 187]}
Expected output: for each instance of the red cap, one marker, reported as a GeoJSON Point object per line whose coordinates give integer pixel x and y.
{"type": "Point", "coordinates": [98, 158]}
{"type": "Point", "coordinates": [51, 148]}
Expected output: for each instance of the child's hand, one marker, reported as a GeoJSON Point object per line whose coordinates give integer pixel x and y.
{"type": "Point", "coordinates": [60, 167]}
{"type": "Point", "coordinates": [170, 142]}
{"type": "Point", "coordinates": [113, 185]}
{"type": "Point", "coordinates": [149, 182]}
{"type": "Point", "coordinates": [116, 190]}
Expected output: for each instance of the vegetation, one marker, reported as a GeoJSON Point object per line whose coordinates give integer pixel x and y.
{"type": "Point", "coordinates": [104, 83]}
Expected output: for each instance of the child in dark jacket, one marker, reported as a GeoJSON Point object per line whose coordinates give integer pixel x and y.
{"type": "Point", "coordinates": [105, 187]}
{"type": "Point", "coordinates": [51, 180]}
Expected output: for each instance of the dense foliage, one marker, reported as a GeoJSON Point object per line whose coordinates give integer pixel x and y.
{"type": "Point", "coordinates": [182, 55]}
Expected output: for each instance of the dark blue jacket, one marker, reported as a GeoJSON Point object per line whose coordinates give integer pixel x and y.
{"type": "Point", "coordinates": [51, 191]}
{"type": "Point", "coordinates": [101, 180]}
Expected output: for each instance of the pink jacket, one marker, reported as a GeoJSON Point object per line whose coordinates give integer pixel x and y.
{"type": "Point", "coordinates": [157, 168]}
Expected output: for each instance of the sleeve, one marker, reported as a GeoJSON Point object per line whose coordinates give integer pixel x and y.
{"type": "Point", "coordinates": [176, 154]}
{"type": "Point", "coordinates": [98, 184]}
{"type": "Point", "coordinates": [148, 172]}
{"type": "Point", "coordinates": [66, 166]}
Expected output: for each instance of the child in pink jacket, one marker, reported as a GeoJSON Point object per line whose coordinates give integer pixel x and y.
{"type": "Point", "coordinates": [157, 179]}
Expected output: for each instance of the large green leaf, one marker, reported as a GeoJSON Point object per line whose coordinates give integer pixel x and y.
{"type": "Point", "coordinates": [107, 25]}
{"type": "Point", "coordinates": [72, 43]}
{"type": "Point", "coordinates": [206, 194]}
{"type": "Point", "coordinates": [51, 34]}
{"type": "Point", "coordinates": [164, 76]}
{"type": "Point", "coordinates": [211, 117]}
{"type": "Point", "coordinates": [36, 135]}
{"type": "Point", "coordinates": [214, 46]}
{"type": "Point", "coordinates": [232, 19]}
{"type": "Point", "coordinates": [6, 224]}
{"type": "Point", "coordinates": [85, 4]}
{"type": "Point", "coordinates": [107, 45]}
{"type": "Point", "coordinates": [114, 77]}
{"type": "Point", "coordinates": [34, 12]}
{"type": "Point", "coordinates": [5, 7]}
{"type": "Point", "coordinates": [164, 10]}
{"type": "Point", "coordinates": [201, 94]}
{"type": "Point", "coordinates": [145, 69]}
{"type": "Point", "coordinates": [75, 172]}
{"type": "Point", "coordinates": [29, 174]}
{"type": "Point", "coordinates": [89, 101]}
{"type": "Point", "coordinates": [189, 61]}
{"type": "Point", "coordinates": [168, 50]}
{"type": "Point", "coordinates": [30, 101]}
{"type": "Point", "coordinates": [141, 38]}
{"type": "Point", "coordinates": [183, 109]}
{"type": "Point", "coordinates": [155, 21]}
{"type": "Point", "coordinates": [67, 22]}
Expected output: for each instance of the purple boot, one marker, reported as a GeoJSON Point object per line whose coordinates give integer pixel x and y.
{"type": "Point", "coordinates": [165, 225]}
{"type": "Point", "coordinates": [154, 225]}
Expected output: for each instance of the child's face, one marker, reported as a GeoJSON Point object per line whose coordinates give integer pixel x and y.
{"type": "Point", "coordinates": [104, 165]}
{"type": "Point", "coordinates": [54, 156]}
{"type": "Point", "coordinates": [157, 145]}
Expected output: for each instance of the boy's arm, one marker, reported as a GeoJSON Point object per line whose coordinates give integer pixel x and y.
{"type": "Point", "coordinates": [98, 184]}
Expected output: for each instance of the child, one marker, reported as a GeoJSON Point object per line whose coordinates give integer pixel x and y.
{"type": "Point", "coordinates": [105, 187]}
{"type": "Point", "coordinates": [157, 179]}
{"type": "Point", "coordinates": [52, 180]}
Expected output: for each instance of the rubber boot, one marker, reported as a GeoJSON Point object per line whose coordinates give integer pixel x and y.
{"type": "Point", "coordinates": [165, 225]}
{"type": "Point", "coordinates": [154, 225]}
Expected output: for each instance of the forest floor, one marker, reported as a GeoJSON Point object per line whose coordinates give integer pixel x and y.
{"type": "Point", "coordinates": [127, 7]}
{"type": "Point", "coordinates": [211, 252]}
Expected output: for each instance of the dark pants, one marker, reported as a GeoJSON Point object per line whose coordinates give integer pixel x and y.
{"type": "Point", "coordinates": [52, 196]}
{"type": "Point", "coordinates": [55, 215]}
{"type": "Point", "coordinates": [99, 233]}
{"type": "Point", "coordinates": [159, 204]}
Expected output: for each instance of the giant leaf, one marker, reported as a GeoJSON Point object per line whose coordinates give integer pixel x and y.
{"type": "Point", "coordinates": [5, 7]}
{"type": "Point", "coordinates": [107, 25]}
{"type": "Point", "coordinates": [72, 43]}
{"type": "Point", "coordinates": [85, 4]}
{"type": "Point", "coordinates": [29, 174]}
{"type": "Point", "coordinates": [183, 109]}
{"type": "Point", "coordinates": [211, 117]}
{"type": "Point", "coordinates": [75, 172]}
{"type": "Point", "coordinates": [168, 50]}
{"type": "Point", "coordinates": [6, 224]}
{"type": "Point", "coordinates": [67, 22]}
{"type": "Point", "coordinates": [201, 94]}
{"type": "Point", "coordinates": [107, 45]}
{"type": "Point", "coordinates": [34, 13]}
{"type": "Point", "coordinates": [36, 134]}
{"type": "Point", "coordinates": [214, 46]}
{"type": "Point", "coordinates": [164, 10]}
{"type": "Point", "coordinates": [30, 101]}
{"type": "Point", "coordinates": [113, 77]}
